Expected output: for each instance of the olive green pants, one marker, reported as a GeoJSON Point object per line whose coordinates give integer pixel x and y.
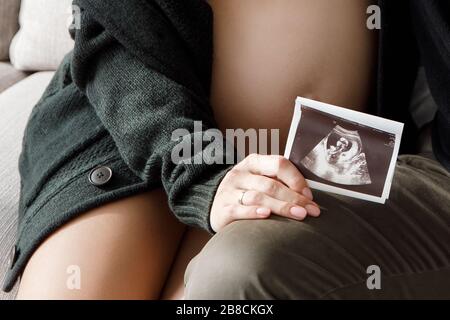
{"type": "Point", "coordinates": [355, 250]}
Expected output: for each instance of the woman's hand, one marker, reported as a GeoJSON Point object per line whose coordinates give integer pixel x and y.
{"type": "Point", "coordinates": [259, 186]}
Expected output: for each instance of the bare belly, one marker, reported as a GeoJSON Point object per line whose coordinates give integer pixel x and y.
{"type": "Point", "coordinates": [267, 52]}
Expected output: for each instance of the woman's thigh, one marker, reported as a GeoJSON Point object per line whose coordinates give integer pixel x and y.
{"type": "Point", "coordinates": [122, 250]}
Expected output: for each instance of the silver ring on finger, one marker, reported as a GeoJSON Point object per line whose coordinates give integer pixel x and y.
{"type": "Point", "coordinates": [241, 202]}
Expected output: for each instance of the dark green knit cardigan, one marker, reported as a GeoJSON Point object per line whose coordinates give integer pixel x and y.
{"type": "Point", "coordinates": [139, 71]}
{"type": "Point", "coordinates": [144, 67]}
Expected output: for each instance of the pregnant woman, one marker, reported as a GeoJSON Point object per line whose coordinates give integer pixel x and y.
{"type": "Point", "coordinates": [106, 213]}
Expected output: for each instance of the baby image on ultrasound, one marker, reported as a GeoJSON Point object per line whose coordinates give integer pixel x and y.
{"type": "Point", "coordinates": [339, 157]}
{"type": "Point", "coordinates": [343, 151]}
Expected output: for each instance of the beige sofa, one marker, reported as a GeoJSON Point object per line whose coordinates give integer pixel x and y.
{"type": "Point", "coordinates": [36, 50]}
{"type": "Point", "coordinates": [29, 55]}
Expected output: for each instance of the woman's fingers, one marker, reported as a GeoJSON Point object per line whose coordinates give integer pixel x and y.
{"type": "Point", "coordinates": [277, 190]}
{"type": "Point", "coordinates": [271, 187]}
{"type": "Point", "coordinates": [234, 212]}
{"type": "Point", "coordinates": [276, 167]}
{"type": "Point", "coordinates": [286, 209]}
{"type": "Point", "coordinates": [266, 185]}
{"type": "Point", "coordinates": [242, 212]}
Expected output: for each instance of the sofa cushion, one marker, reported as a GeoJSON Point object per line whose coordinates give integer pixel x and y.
{"type": "Point", "coordinates": [43, 38]}
{"type": "Point", "coordinates": [9, 24]}
{"type": "Point", "coordinates": [9, 75]}
{"type": "Point", "coordinates": [16, 104]}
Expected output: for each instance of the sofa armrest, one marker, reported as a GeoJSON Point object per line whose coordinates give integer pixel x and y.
{"type": "Point", "coordinates": [9, 76]}
{"type": "Point", "coordinates": [16, 104]}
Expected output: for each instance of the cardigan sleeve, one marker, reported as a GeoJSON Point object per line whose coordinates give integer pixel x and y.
{"type": "Point", "coordinates": [151, 116]}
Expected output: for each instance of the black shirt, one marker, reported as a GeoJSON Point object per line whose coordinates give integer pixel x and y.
{"type": "Point", "coordinates": [415, 32]}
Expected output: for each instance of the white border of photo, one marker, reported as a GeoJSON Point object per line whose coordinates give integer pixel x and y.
{"type": "Point", "coordinates": [375, 122]}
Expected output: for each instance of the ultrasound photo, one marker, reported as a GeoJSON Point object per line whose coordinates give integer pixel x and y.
{"type": "Point", "coordinates": [343, 151]}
